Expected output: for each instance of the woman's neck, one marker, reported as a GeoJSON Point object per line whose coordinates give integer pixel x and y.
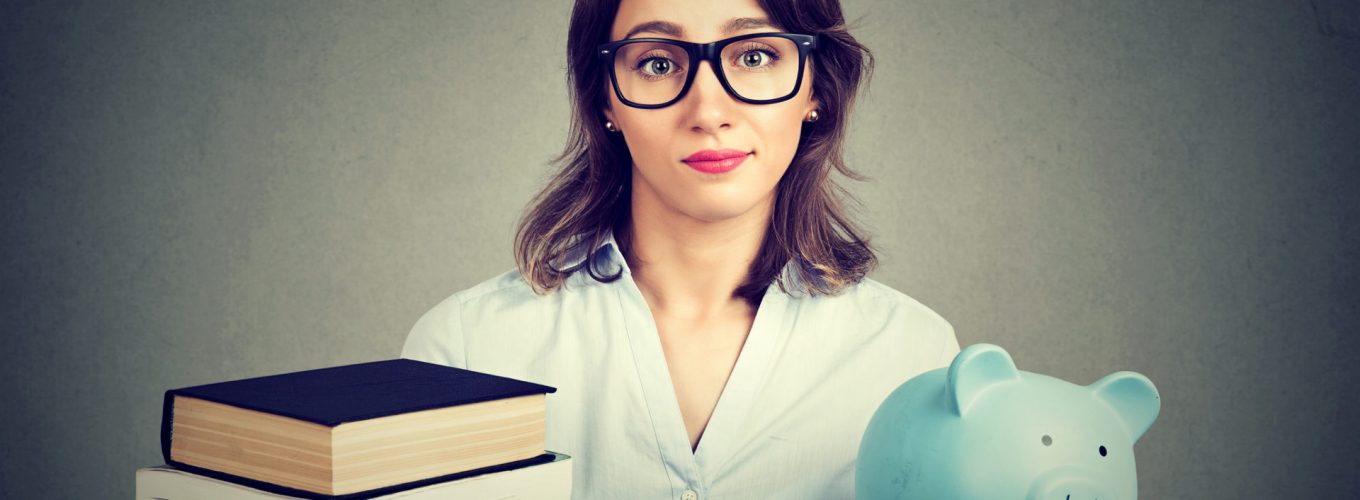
{"type": "Point", "coordinates": [690, 268]}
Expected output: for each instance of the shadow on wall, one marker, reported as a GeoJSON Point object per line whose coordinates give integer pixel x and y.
{"type": "Point", "coordinates": [1338, 18]}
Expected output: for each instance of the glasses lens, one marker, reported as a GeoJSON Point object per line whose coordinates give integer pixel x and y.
{"type": "Point", "coordinates": [761, 68]}
{"type": "Point", "coordinates": [650, 72]}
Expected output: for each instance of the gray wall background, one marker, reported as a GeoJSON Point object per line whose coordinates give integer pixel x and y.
{"type": "Point", "coordinates": [202, 191]}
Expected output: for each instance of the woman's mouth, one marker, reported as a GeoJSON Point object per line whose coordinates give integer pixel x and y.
{"type": "Point", "coordinates": [716, 161]}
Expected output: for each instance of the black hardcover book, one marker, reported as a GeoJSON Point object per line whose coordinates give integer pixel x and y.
{"type": "Point", "coordinates": [351, 393]}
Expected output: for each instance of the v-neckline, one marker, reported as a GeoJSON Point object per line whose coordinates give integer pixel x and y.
{"type": "Point", "coordinates": [734, 402]}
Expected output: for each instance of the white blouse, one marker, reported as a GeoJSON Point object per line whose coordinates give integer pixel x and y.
{"type": "Point", "coordinates": [788, 423]}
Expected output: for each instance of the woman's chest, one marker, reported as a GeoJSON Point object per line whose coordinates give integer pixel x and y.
{"type": "Point", "coordinates": [700, 360]}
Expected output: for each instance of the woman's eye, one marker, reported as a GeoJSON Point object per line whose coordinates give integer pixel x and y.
{"type": "Point", "coordinates": [755, 59]}
{"type": "Point", "coordinates": [657, 66]}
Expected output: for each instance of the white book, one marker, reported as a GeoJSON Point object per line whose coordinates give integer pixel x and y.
{"type": "Point", "coordinates": [548, 480]}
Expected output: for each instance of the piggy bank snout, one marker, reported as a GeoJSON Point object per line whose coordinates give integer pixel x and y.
{"type": "Point", "coordinates": [1069, 483]}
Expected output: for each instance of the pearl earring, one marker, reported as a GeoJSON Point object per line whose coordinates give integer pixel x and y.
{"type": "Point", "coordinates": [812, 116]}
{"type": "Point", "coordinates": [609, 125]}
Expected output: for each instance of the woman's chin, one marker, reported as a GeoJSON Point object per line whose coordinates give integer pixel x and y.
{"type": "Point", "coordinates": [719, 211]}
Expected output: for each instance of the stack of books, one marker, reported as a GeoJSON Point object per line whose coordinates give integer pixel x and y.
{"type": "Point", "coordinates": [388, 429]}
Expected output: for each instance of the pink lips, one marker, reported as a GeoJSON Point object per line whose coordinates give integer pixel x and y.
{"type": "Point", "coordinates": [716, 162]}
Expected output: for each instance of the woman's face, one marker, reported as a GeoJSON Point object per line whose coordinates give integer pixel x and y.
{"type": "Point", "coordinates": [706, 118]}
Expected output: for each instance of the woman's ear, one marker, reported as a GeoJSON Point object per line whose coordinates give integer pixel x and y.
{"type": "Point", "coordinates": [611, 120]}
{"type": "Point", "coordinates": [811, 111]}
{"type": "Point", "coordinates": [813, 103]}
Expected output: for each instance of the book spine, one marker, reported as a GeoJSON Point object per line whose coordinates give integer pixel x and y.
{"type": "Point", "coordinates": [167, 417]}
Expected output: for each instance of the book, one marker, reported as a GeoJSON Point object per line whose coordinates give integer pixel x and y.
{"type": "Point", "coordinates": [548, 480]}
{"type": "Point", "coordinates": [355, 429]}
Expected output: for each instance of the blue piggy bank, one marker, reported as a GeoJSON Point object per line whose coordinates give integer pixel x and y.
{"type": "Point", "coordinates": [983, 429]}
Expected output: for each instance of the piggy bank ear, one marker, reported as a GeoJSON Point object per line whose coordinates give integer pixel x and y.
{"type": "Point", "coordinates": [1133, 397]}
{"type": "Point", "coordinates": [974, 370]}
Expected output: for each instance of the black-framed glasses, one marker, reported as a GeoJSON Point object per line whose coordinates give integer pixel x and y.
{"type": "Point", "coordinates": [757, 68]}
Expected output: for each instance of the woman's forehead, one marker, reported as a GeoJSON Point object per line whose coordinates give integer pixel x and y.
{"type": "Point", "coordinates": [691, 20]}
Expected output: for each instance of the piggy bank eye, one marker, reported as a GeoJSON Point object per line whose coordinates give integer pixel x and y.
{"type": "Point", "coordinates": [1048, 441]}
{"type": "Point", "coordinates": [1102, 450]}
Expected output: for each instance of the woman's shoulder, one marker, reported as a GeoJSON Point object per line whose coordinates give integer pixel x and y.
{"type": "Point", "coordinates": [871, 302]}
{"type": "Point", "coordinates": [507, 290]}
{"type": "Point", "coordinates": [509, 284]}
{"type": "Point", "coordinates": [869, 295]}
{"type": "Point", "coordinates": [872, 291]}
{"type": "Point", "coordinates": [444, 332]}
{"type": "Point", "coordinates": [898, 314]}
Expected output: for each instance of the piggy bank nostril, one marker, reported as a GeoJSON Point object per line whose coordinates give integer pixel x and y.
{"type": "Point", "coordinates": [1102, 450]}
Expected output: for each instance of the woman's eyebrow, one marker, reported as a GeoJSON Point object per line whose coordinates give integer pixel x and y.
{"type": "Point", "coordinates": [745, 23]}
{"type": "Point", "coordinates": [663, 27]}
{"type": "Point", "coordinates": [675, 31]}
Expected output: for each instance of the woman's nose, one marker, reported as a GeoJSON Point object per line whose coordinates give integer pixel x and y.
{"type": "Point", "coordinates": [710, 106]}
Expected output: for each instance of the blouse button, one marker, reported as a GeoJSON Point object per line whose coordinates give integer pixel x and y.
{"type": "Point", "coordinates": [689, 495]}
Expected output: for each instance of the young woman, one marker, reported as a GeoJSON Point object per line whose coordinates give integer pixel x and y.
{"type": "Point", "coordinates": [689, 281]}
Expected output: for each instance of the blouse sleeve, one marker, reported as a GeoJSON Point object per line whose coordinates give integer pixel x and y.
{"type": "Point", "coordinates": [437, 336]}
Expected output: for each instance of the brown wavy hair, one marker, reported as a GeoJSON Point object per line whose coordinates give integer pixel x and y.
{"type": "Point", "coordinates": [591, 193]}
